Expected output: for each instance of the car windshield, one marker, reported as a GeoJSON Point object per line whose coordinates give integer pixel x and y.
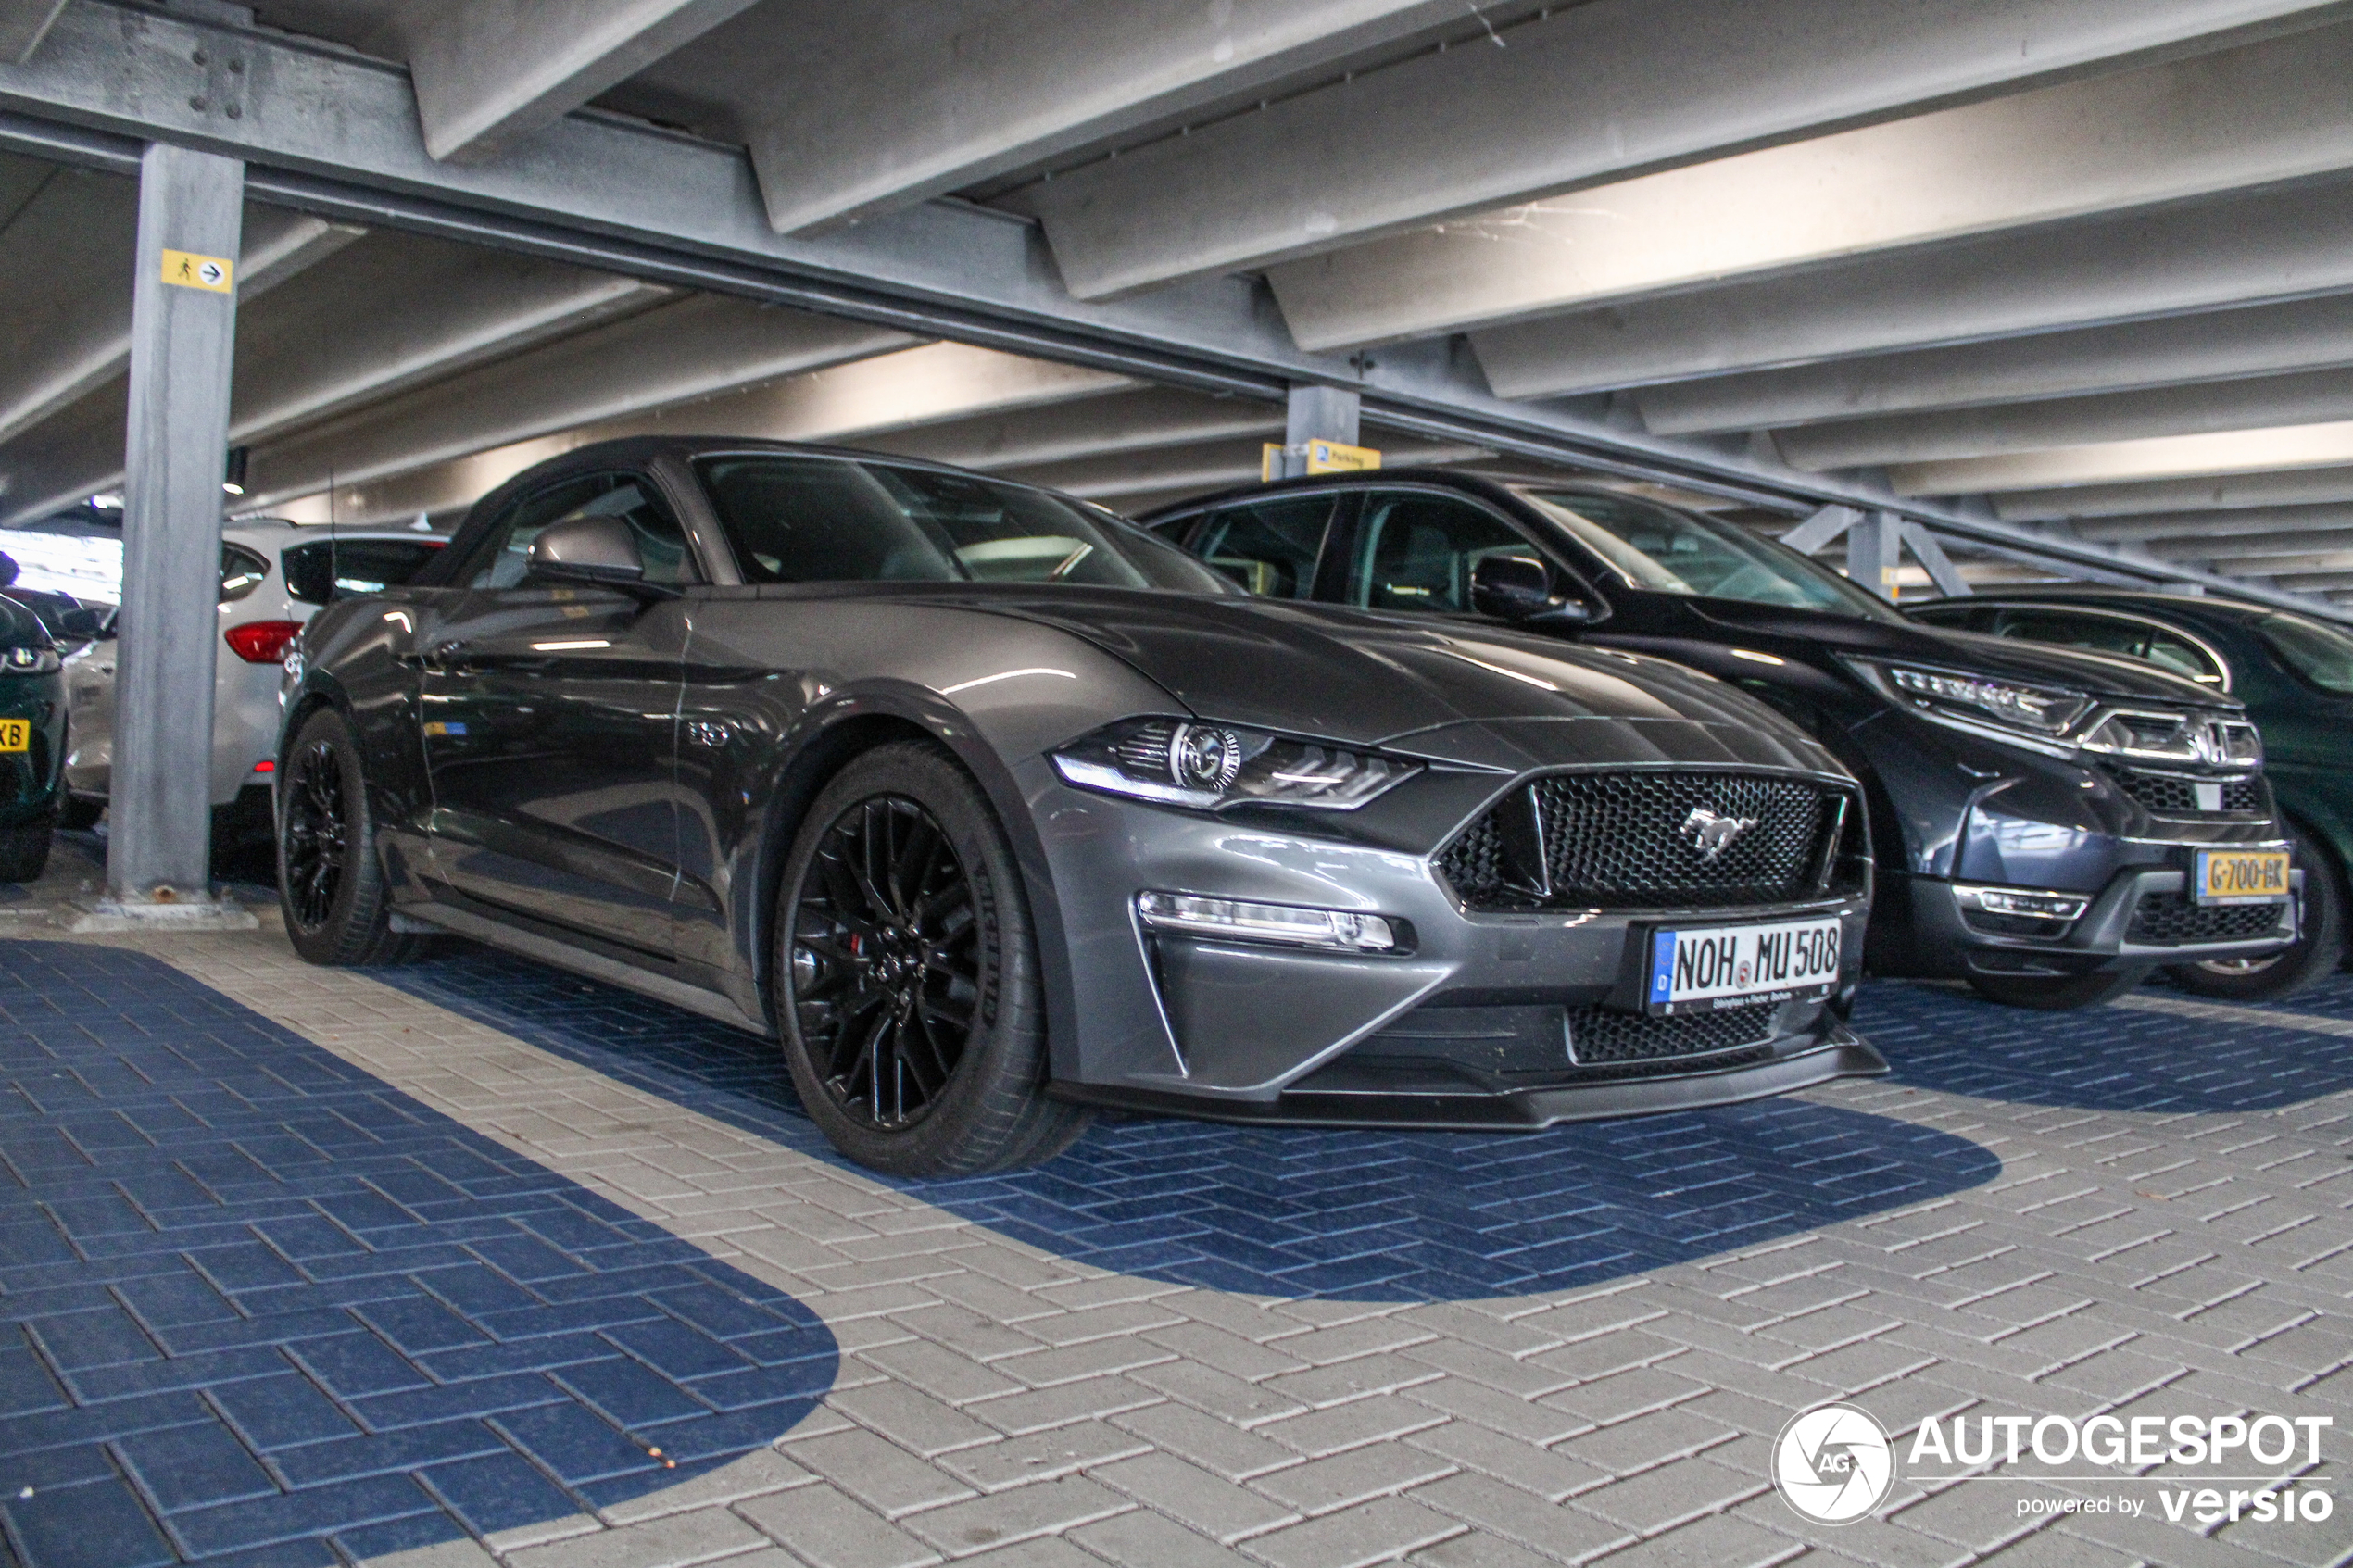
{"type": "Point", "coordinates": [2321, 653]}
{"type": "Point", "coordinates": [1672, 552]}
{"type": "Point", "coordinates": [795, 518]}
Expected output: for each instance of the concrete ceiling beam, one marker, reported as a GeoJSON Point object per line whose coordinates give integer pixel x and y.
{"type": "Point", "coordinates": [23, 23]}
{"type": "Point", "coordinates": [490, 73]}
{"type": "Point", "coordinates": [1146, 420]}
{"type": "Point", "coordinates": [2305, 334]}
{"type": "Point", "coordinates": [2255, 402]}
{"type": "Point", "coordinates": [2149, 528]}
{"type": "Point", "coordinates": [2256, 115]}
{"type": "Point", "coordinates": [2109, 462]}
{"type": "Point", "coordinates": [1656, 85]}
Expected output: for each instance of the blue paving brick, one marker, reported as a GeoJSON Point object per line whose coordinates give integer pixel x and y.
{"type": "Point", "coordinates": [677, 1349]}
{"type": "Point", "coordinates": [312, 1252]}
{"type": "Point", "coordinates": [98, 1525]}
{"type": "Point", "coordinates": [1371, 1216]}
{"type": "Point", "coordinates": [276, 1412]}
{"type": "Point", "coordinates": [498, 1493]}
{"type": "Point", "coordinates": [194, 1467]}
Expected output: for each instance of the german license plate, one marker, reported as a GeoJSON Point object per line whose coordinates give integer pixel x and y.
{"type": "Point", "coordinates": [15, 734]}
{"type": "Point", "coordinates": [1723, 966]}
{"type": "Point", "coordinates": [2240, 876]}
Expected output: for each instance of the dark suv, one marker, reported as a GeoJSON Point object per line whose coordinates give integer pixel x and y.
{"type": "Point", "coordinates": [2295, 675]}
{"type": "Point", "coordinates": [2049, 824]}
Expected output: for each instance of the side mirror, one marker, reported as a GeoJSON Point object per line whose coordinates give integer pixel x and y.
{"type": "Point", "coordinates": [595, 552]}
{"type": "Point", "coordinates": [1519, 589]}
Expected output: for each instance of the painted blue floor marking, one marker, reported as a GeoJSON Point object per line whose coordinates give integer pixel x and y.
{"type": "Point", "coordinates": [252, 1297]}
{"type": "Point", "coordinates": [1374, 1216]}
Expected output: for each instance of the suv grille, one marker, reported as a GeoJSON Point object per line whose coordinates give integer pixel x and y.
{"type": "Point", "coordinates": [2171, 797]}
{"type": "Point", "coordinates": [1636, 840]}
{"type": "Point", "coordinates": [2170, 919]}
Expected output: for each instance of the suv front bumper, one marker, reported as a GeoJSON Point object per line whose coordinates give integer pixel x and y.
{"type": "Point", "coordinates": [2137, 919]}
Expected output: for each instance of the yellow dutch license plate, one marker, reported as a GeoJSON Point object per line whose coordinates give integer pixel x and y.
{"type": "Point", "coordinates": [15, 734]}
{"type": "Point", "coordinates": [2242, 876]}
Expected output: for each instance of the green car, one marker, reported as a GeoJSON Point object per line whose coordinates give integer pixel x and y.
{"type": "Point", "coordinates": [2295, 675]}
{"type": "Point", "coordinates": [33, 741]}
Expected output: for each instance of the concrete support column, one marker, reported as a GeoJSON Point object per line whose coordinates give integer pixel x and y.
{"type": "Point", "coordinates": [1316, 413]}
{"type": "Point", "coordinates": [1874, 547]}
{"type": "Point", "coordinates": [182, 330]}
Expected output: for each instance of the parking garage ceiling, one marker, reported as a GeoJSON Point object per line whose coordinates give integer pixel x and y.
{"type": "Point", "coordinates": [2067, 281]}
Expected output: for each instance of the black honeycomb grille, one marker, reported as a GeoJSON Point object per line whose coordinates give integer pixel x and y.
{"type": "Point", "coordinates": [1597, 1036]}
{"type": "Point", "coordinates": [2170, 919]}
{"type": "Point", "coordinates": [1634, 840]}
{"type": "Point", "coordinates": [2177, 797]}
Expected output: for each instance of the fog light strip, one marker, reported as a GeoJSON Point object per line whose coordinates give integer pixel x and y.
{"type": "Point", "coordinates": [1231, 919]}
{"type": "Point", "coordinates": [2024, 901]}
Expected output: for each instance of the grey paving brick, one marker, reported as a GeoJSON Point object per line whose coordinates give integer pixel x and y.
{"type": "Point", "coordinates": [830, 1529]}
{"type": "Point", "coordinates": [1375, 1420]}
{"type": "Point", "coordinates": [746, 1477]}
{"type": "Point", "coordinates": [1355, 1476]}
{"type": "Point", "coordinates": [1144, 1539]}
{"type": "Point", "coordinates": [1012, 1461]}
{"type": "Point", "coordinates": [1371, 1532]}
{"type": "Point", "coordinates": [1717, 1541]}
{"type": "Point", "coordinates": [675, 1541]}
{"type": "Point", "coordinates": [1673, 1493]}
{"type": "Point", "coordinates": [1476, 1548]}
{"type": "Point", "coordinates": [1642, 1441]}
{"type": "Point", "coordinates": [1095, 1399]}
{"type": "Point", "coordinates": [881, 1475]}
{"type": "Point", "coordinates": [1217, 1446]}
{"type": "Point", "coordinates": [1017, 1515]}
{"type": "Point", "coordinates": [1532, 1468]}
{"type": "Point", "coordinates": [938, 1370]}
{"type": "Point", "coordinates": [1219, 1393]}
{"type": "Point", "coordinates": [1208, 1503]}
{"type": "Point", "coordinates": [1557, 1528]}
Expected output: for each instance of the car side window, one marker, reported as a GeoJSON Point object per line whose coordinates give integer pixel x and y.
{"type": "Point", "coordinates": [1417, 551]}
{"type": "Point", "coordinates": [2185, 657]}
{"type": "Point", "coordinates": [242, 570]}
{"type": "Point", "coordinates": [1961, 617]}
{"type": "Point", "coordinates": [320, 574]}
{"type": "Point", "coordinates": [502, 556]}
{"type": "Point", "coordinates": [2114, 634]}
{"type": "Point", "coordinates": [1270, 547]}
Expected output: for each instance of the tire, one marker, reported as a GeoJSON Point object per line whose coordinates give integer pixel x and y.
{"type": "Point", "coordinates": [24, 852]}
{"type": "Point", "coordinates": [79, 816]}
{"type": "Point", "coordinates": [331, 881]}
{"type": "Point", "coordinates": [907, 993]}
{"type": "Point", "coordinates": [2058, 993]}
{"type": "Point", "coordinates": [2315, 954]}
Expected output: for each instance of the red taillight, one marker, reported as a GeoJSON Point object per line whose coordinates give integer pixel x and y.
{"type": "Point", "coordinates": [265, 766]}
{"type": "Point", "coordinates": [263, 642]}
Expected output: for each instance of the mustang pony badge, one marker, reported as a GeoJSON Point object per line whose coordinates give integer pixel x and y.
{"type": "Point", "coordinates": [1712, 834]}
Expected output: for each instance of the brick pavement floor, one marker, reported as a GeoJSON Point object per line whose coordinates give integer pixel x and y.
{"type": "Point", "coordinates": [415, 1265]}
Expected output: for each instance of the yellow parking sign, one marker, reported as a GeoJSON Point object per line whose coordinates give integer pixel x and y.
{"type": "Point", "coordinates": [188, 271]}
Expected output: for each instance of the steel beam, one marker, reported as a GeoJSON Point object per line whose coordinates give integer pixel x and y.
{"type": "Point", "coordinates": [1476, 128]}
{"type": "Point", "coordinates": [2255, 403]}
{"type": "Point", "coordinates": [2264, 247]}
{"type": "Point", "coordinates": [1934, 561]}
{"type": "Point", "coordinates": [2258, 114]}
{"type": "Point", "coordinates": [490, 73]}
{"type": "Point", "coordinates": [336, 135]}
{"type": "Point", "coordinates": [2308, 335]}
{"type": "Point", "coordinates": [2165, 456]}
{"type": "Point", "coordinates": [184, 332]}
{"type": "Point", "coordinates": [1190, 470]}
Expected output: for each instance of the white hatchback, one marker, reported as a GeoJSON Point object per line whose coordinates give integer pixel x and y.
{"type": "Point", "coordinates": [274, 576]}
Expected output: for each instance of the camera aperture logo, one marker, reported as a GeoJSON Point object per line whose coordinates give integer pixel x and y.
{"type": "Point", "coordinates": [1833, 1463]}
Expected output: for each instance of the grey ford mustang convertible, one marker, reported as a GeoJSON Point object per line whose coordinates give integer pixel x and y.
{"type": "Point", "coordinates": [991, 809]}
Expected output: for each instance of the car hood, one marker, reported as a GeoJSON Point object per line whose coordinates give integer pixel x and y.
{"type": "Point", "coordinates": [2098, 675]}
{"type": "Point", "coordinates": [1369, 679]}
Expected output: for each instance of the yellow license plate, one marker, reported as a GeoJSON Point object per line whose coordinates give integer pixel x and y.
{"type": "Point", "coordinates": [15, 734]}
{"type": "Point", "coordinates": [2242, 876]}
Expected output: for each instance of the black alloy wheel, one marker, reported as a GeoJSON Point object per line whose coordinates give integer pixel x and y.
{"type": "Point", "coordinates": [907, 993]}
{"type": "Point", "coordinates": [317, 833]}
{"type": "Point", "coordinates": [885, 961]}
{"type": "Point", "coordinates": [331, 885]}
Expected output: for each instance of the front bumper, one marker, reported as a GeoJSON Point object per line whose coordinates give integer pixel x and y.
{"type": "Point", "coordinates": [1472, 1028]}
{"type": "Point", "coordinates": [2142, 916]}
{"type": "Point", "coordinates": [29, 779]}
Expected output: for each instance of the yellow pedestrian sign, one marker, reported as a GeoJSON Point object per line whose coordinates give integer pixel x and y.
{"type": "Point", "coordinates": [188, 271]}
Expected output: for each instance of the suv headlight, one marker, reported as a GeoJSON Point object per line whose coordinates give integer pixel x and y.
{"type": "Point", "coordinates": [1191, 762]}
{"type": "Point", "coordinates": [30, 661]}
{"type": "Point", "coordinates": [1995, 702]}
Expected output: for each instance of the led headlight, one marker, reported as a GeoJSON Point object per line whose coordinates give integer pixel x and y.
{"type": "Point", "coordinates": [1341, 930]}
{"type": "Point", "coordinates": [1185, 763]}
{"type": "Point", "coordinates": [2013, 704]}
{"type": "Point", "coordinates": [28, 661]}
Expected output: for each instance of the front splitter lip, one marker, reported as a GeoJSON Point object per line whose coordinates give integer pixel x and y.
{"type": "Point", "coordinates": [1841, 1056]}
